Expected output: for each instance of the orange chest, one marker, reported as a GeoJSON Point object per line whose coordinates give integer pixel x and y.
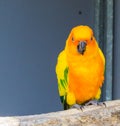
{"type": "Point", "coordinates": [85, 70]}
{"type": "Point", "coordinates": [85, 75]}
{"type": "Point", "coordinates": [86, 78]}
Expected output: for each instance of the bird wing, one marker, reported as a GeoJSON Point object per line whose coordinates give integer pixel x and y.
{"type": "Point", "coordinates": [62, 76]}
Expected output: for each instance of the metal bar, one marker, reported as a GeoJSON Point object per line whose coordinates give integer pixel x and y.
{"type": "Point", "coordinates": [104, 35]}
{"type": "Point", "coordinates": [109, 48]}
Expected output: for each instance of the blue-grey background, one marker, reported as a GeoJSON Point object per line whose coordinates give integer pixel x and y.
{"type": "Point", "coordinates": [32, 33]}
{"type": "Point", "coordinates": [116, 54]}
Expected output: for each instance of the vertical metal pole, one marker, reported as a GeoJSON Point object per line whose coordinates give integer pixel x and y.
{"type": "Point", "coordinates": [97, 20]}
{"type": "Point", "coordinates": [109, 48]}
{"type": "Point", "coordinates": [104, 34]}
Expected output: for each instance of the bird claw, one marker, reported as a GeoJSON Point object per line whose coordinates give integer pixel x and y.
{"type": "Point", "coordinates": [78, 107]}
{"type": "Point", "coordinates": [92, 102]}
{"type": "Point", "coordinates": [101, 104]}
{"type": "Point", "coordinates": [95, 102]}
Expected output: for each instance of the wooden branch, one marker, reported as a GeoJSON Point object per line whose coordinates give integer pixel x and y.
{"type": "Point", "coordinates": [90, 116]}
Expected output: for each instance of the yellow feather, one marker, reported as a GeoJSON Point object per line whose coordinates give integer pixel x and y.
{"type": "Point", "coordinates": [98, 94]}
{"type": "Point", "coordinates": [60, 67]}
{"type": "Point", "coordinates": [71, 98]}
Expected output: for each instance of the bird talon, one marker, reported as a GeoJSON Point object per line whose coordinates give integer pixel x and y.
{"type": "Point", "coordinates": [101, 104]}
{"type": "Point", "coordinates": [94, 102]}
{"type": "Point", "coordinates": [78, 107]}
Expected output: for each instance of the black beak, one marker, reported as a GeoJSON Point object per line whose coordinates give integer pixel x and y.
{"type": "Point", "coordinates": [81, 47]}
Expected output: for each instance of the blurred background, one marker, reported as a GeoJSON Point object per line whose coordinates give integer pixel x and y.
{"type": "Point", "coordinates": [33, 32]}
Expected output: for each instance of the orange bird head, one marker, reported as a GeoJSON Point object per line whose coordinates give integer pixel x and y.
{"type": "Point", "coordinates": [81, 40]}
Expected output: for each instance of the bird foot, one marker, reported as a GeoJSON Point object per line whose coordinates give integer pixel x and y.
{"type": "Point", "coordinates": [77, 107]}
{"type": "Point", "coordinates": [95, 102]}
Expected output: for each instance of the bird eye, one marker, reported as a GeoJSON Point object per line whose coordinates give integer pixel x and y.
{"type": "Point", "coordinates": [91, 38]}
{"type": "Point", "coordinates": [72, 39]}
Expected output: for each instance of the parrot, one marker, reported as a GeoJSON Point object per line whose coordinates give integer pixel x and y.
{"type": "Point", "coordinates": [80, 68]}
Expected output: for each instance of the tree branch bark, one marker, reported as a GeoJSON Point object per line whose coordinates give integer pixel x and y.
{"type": "Point", "coordinates": [90, 116]}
